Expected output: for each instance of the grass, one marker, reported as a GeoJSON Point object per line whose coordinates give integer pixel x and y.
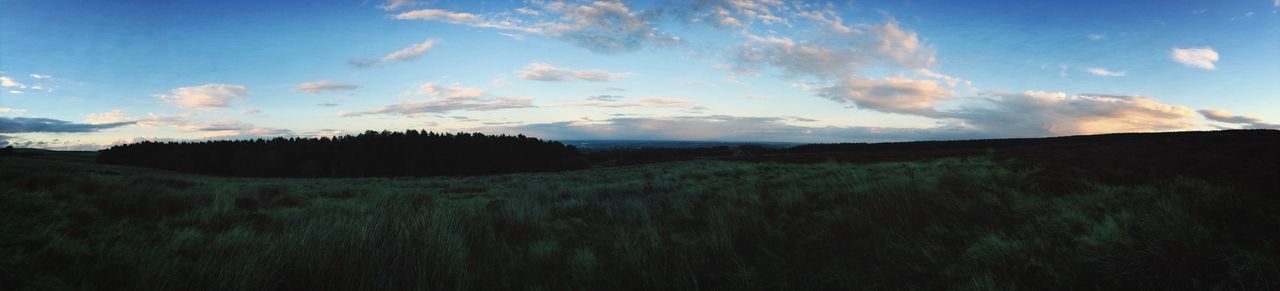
{"type": "Point", "coordinates": [974, 223]}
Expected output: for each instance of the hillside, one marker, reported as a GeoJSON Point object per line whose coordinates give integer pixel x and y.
{"type": "Point", "coordinates": [1005, 218]}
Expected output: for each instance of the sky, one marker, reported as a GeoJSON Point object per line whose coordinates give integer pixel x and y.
{"type": "Point", "coordinates": [83, 75]}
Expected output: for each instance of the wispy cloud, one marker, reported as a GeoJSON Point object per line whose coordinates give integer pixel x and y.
{"type": "Point", "coordinates": [324, 86]}
{"type": "Point", "coordinates": [610, 101]}
{"type": "Point", "coordinates": [405, 54]}
{"type": "Point", "coordinates": [446, 99]}
{"type": "Point", "coordinates": [1203, 58]}
{"type": "Point", "coordinates": [206, 96]}
{"type": "Point", "coordinates": [398, 4]}
{"type": "Point", "coordinates": [14, 111]}
{"type": "Point", "coordinates": [1104, 72]}
{"type": "Point", "coordinates": [1247, 121]}
{"type": "Point", "coordinates": [600, 26]}
{"type": "Point", "coordinates": [546, 72]}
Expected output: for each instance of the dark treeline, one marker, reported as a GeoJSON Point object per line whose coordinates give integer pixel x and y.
{"type": "Point", "coordinates": [372, 153]}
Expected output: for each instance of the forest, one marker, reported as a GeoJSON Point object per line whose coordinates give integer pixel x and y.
{"type": "Point", "coordinates": [372, 153]}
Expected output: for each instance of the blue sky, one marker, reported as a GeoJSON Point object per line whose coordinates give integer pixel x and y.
{"type": "Point", "coordinates": [89, 74]}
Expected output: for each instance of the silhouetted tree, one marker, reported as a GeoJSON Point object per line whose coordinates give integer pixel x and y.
{"type": "Point", "coordinates": [372, 153]}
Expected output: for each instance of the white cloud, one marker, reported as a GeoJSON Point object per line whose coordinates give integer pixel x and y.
{"type": "Point", "coordinates": [418, 107]}
{"type": "Point", "coordinates": [611, 101]}
{"type": "Point", "coordinates": [445, 99]}
{"type": "Point", "coordinates": [1037, 113]}
{"type": "Point", "coordinates": [116, 115]}
{"type": "Point", "coordinates": [324, 86]}
{"type": "Point", "coordinates": [14, 111]}
{"type": "Point", "coordinates": [206, 96]}
{"type": "Point", "coordinates": [40, 76]}
{"type": "Point", "coordinates": [1096, 37]}
{"type": "Point", "coordinates": [405, 54]}
{"type": "Point", "coordinates": [451, 91]}
{"type": "Point", "coordinates": [8, 82]}
{"type": "Point", "coordinates": [950, 80]}
{"type": "Point", "coordinates": [835, 56]}
{"type": "Point", "coordinates": [902, 47]}
{"type": "Point", "coordinates": [892, 95]}
{"type": "Point", "coordinates": [527, 11]}
{"type": "Point", "coordinates": [499, 82]}
{"type": "Point", "coordinates": [1203, 58]}
{"type": "Point", "coordinates": [398, 4]}
{"type": "Point", "coordinates": [1104, 72]}
{"type": "Point", "coordinates": [546, 72]}
{"type": "Point", "coordinates": [600, 26]}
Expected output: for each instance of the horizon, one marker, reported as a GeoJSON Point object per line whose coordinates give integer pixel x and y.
{"type": "Point", "coordinates": [80, 75]}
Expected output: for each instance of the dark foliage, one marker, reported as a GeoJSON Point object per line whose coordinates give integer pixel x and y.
{"type": "Point", "coordinates": [6, 151]}
{"type": "Point", "coordinates": [1245, 158]}
{"type": "Point", "coordinates": [385, 153]}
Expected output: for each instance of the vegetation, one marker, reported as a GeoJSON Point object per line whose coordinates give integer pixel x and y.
{"type": "Point", "coordinates": [982, 222]}
{"type": "Point", "coordinates": [385, 153]}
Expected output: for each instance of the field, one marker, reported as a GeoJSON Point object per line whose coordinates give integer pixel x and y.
{"type": "Point", "coordinates": [972, 221]}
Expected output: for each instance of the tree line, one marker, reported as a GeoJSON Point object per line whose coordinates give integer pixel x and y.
{"type": "Point", "coordinates": [372, 153]}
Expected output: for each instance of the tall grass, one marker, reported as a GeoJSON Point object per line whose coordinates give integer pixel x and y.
{"type": "Point", "coordinates": [956, 223]}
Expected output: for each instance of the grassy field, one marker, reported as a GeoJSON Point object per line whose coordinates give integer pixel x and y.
{"type": "Point", "coordinates": [967, 223]}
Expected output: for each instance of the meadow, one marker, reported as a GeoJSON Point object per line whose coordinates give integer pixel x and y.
{"type": "Point", "coordinates": [974, 222]}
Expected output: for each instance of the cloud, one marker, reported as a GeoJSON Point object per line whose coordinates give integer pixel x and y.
{"type": "Point", "coordinates": [418, 107]}
{"type": "Point", "coordinates": [450, 92]}
{"type": "Point", "coordinates": [324, 86]}
{"type": "Point", "coordinates": [27, 125]}
{"type": "Point", "coordinates": [835, 56]}
{"type": "Point", "coordinates": [695, 83]}
{"type": "Point", "coordinates": [1104, 72]}
{"type": "Point", "coordinates": [1037, 113]}
{"type": "Point", "coordinates": [54, 144]}
{"type": "Point", "coordinates": [527, 11]}
{"type": "Point", "coordinates": [1203, 58]}
{"type": "Point", "coordinates": [327, 104]}
{"type": "Point", "coordinates": [1096, 37]}
{"type": "Point", "coordinates": [605, 98]}
{"type": "Point", "coordinates": [601, 26]}
{"type": "Point", "coordinates": [8, 82]}
{"type": "Point", "coordinates": [604, 27]}
{"type": "Point", "coordinates": [1247, 121]}
{"type": "Point", "coordinates": [891, 95]}
{"type": "Point", "coordinates": [546, 72]}
{"type": "Point", "coordinates": [40, 76]}
{"type": "Point", "coordinates": [14, 111]}
{"type": "Point", "coordinates": [406, 54]}
{"type": "Point", "coordinates": [902, 47]}
{"type": "Point", "coordinates": [726, 128]}
{"type": "Point", "coordinates": [446, 99]}
{"type": "Point", "coordinates": [113, 116]}
{"type": "Point", "coordinates": [398, 4]}
{"type": "Point", "coordinates": [950, 80]}
{"type": "Point", "coordinates": [797, 58]}
{"type": "Point", "coordinates": [610, 101]}
{"type": "Point", "coordinates": [206, 96]}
